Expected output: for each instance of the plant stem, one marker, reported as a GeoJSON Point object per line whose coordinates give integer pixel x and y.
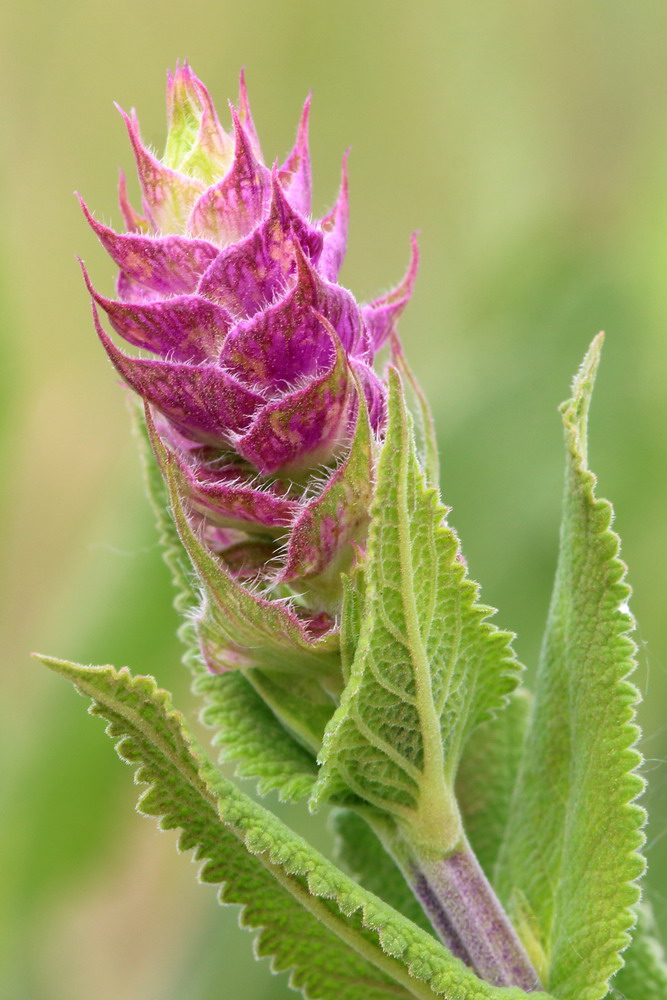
{"type": "Point", "coordinates": [460, 902]}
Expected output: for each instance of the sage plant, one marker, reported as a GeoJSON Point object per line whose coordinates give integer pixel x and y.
{"type": "Point", "coordinates": [487, 838]}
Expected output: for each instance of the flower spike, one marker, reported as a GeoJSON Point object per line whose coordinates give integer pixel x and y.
{"type": "Point", "coordinates": [259, 373]}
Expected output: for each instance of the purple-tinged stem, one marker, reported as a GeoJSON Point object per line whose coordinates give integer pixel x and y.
{"type": "Point", "coordinates": [465, 911]}
{"type": "Point", "coordinates": [438, 916]}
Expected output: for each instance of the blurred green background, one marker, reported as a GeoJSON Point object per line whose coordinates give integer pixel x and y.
{"type": "Point", "coordinates": [528, 143]}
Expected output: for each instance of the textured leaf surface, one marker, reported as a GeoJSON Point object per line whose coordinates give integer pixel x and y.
{"type": "Point", "coordinates": [425, 430]}
{"type": "Point", "coordinates": [484, 786]}
{"type": "Point", "coordinates": [244, 727]}
{"type": "Point", "coordinates": [340, 942]}
{"type": "Point", "coordinates": [236, 628]}
{"type": "Point", "coordinates": [644, 973]}
{"type": "Point", "coordinates": [486, 778]}
{"type": "Point", "coordinates": [362, 854]}
{"type": "Point", "coordinates": [570, 854]}
{"type": "Point", "coordinates": [247, 731]}
{"type": "Point", "coordinates": [428, 666]}
{"type": "Point", "coordinates": [351, 618]}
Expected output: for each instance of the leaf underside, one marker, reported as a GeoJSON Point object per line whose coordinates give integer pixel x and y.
{"type": "Point", "coordinates": [484, 786]}
{"type": "Point", "coordinates": [569, 862]}
{"type": "Point", "coordinates": [250, 734]}
{"type": "Point", "coordinates": [339, 941]}
{"type": "Point", "coordinates": [428, 666]}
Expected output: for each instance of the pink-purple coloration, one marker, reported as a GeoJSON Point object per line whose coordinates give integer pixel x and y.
{"type": "Point", "coordinates": [258, 355]}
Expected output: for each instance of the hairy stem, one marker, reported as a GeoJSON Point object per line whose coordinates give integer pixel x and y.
{"type": "Point", "coordinates": [463, 908]}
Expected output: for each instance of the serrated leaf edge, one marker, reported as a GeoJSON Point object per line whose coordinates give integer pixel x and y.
{"type": "Point", "coordinates": [409, 963]}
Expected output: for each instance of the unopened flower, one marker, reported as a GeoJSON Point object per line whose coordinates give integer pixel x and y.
{"type": "Point", "coordinates": [259, 354]}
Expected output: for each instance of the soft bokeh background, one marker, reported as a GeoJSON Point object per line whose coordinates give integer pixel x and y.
{"type": "Point", "coordinates": [528, 143]}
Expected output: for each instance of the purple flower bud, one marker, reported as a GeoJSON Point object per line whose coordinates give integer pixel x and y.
{"type": "Point", "coordinates": [257, 356]}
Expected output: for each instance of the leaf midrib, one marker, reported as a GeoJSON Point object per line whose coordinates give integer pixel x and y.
{"type": "Point", "coordinates": [433, 769]}
{"type": "Point", "coordinates": [390, 966]}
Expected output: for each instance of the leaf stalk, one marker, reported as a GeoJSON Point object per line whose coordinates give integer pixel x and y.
{"type": "Point", "coordinates": [465, 911]}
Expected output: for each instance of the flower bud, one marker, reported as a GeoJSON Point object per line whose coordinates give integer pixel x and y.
{"type": "Point", "coordinates": [259, 371]}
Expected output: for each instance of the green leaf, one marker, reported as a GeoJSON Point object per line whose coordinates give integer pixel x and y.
{"type": "Point", "coordinates": [245, 728]}
{"type": "Point", "coordinates": [362, 854]}
{"type": "Point", "coordinates": [249, 734]}
{"type": "Point", "coordinates": [487, 776]}
{"type": "Point", "coordinates": [351, 618]}
{"type": "Point", "coordinates": [323, 538]}
{"type": "Point", "coordinates": [484, 785]}
{"type": "Point", "coordinates": [569, 861]}
{"type": "Point", "coordinates": [340, 941]}
{"type": "Point", "coordinates": [644, 973]}
{"type": "Point", "coordinates": [303, 706]}
{"type": "Point", "coordinates": [428, 666]}
{"type": "Point", "coordinates": [236, 628]}
{"type": "Point", "coordinates": [173, 552]}
{"type": "Point", "coordinates": [426, 434]}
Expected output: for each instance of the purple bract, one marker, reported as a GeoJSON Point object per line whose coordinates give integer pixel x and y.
{"type": "Point", "coordinates": [258, 355]}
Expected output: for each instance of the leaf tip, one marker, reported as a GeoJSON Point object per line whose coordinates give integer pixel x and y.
{"type": "Point", "coordinates": [582, 384]}
{"type": "Point", "coordinates": [397, 407]}
{"type": "Point", "coordinates": [75, 672]}
{"type": "Point", "coordinates": [52, 662]}
{"type": "Point", "coordinates": [575, 409]}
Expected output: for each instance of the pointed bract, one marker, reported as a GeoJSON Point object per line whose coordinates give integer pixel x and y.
{"type": "Point", "coordinates": [245, 116]}
{"type": "Point", "coordinates": [134, 222]}
{"type": "Point", "coordinates": [231, 209]}
{"type": "Point", "coordinates": [168, 196]}
{"type": "Point", "coordinates": [334, 227]}
{"type": "Point", "coordinates": [251, 274]}
{"type": "Point", "coordinates": [307, 426]}
{"type": "Point", "coordinates": [295, 174]}
{"type": "Point", "coordinates": [229, 498]}
{"type": "Point", "coordinates": [381, 316]}
{"type": "Point", "coordinates": [282, 344]}
{"type": "Point", "coordinates": [167, 264]}
{"type": "Point", "coordinates": [201, 401]}
{"type": "Point", "coordinates": [184, 328]}
{"type": "Point", "coordinates": [259, 355]}
{"type": "Point", "coordinates": [197, 145]}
